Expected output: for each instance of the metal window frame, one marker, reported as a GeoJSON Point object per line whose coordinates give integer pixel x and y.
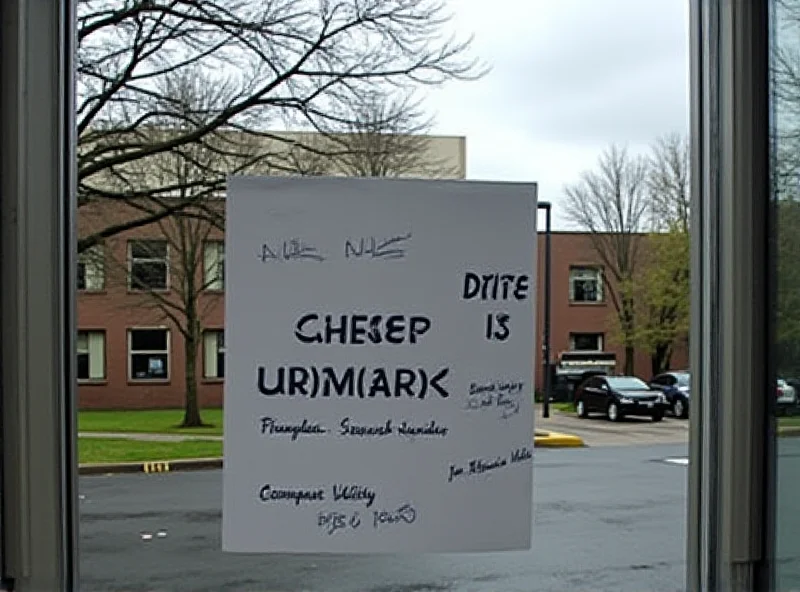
{"type": "Point", "coordinates": [37, 303]}
{"type": "Point", "coordinates": [730, 477]}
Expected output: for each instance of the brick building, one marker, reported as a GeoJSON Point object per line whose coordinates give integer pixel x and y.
{"type": "Point", "coordinates": [130, 356]}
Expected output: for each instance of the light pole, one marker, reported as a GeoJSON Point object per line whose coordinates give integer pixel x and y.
{"type": "Point", "coordinates": [544, 205]}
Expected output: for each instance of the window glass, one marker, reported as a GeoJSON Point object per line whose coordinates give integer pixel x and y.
{"type": "Point", "coordinates": [214, 344]}
{"type": "Point", "coordinates": [586, 341]}
{"type": "Point", "coordinates": [149, 354]}
{"type": "Point", "coordinates": [91, 269]}
{"type": "Point", "coordinates": [626, 383]}
{"type": "Point", "coordinates": [586, 284]}
{"type": "Point", "coordinates": [214, 265]}
{"type": "Point", "coordinates": [149, 266]}
{"type": "Point", "coordinates": [175, 98]}
{"type": "Point", "coordinates": [91, 355]}
{"type": "Point", "coordinates": [785, 97]}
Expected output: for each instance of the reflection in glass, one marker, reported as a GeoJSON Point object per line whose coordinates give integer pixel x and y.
{"type": "Point", "coordinates": [785, 91]}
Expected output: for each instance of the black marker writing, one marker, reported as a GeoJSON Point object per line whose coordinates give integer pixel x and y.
{"type": "Point", "coordinates": [272, 427]}
{"type": "Point", "coordinates": [495, 286]}
{"type": "Point", "coordinates": [333, 522]}
{"type": "Point", "coordinates": [296, 496]}
{"type": "Point", "coordinates": [385, 248]}
{"type": "Point", "coordinates": [405, 514]}
{"type": "Point", "coordinates": [354, 493]}
{"type": "Point", "coordinates": [363, 382]}
{"type": "Point", "coordinates": [290, 250]}
{"type": "Point", "coordinates": [360, 329]}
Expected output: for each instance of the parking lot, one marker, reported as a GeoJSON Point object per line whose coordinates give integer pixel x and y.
{"type": "Point", "coordinates": [598, 431]}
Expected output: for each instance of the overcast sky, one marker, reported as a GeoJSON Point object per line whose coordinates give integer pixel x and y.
{"type": "Point", "coordinates": [569, 77]}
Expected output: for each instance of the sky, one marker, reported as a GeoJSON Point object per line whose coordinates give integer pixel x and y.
{"type": "Point", "coordinates": [568, 78]}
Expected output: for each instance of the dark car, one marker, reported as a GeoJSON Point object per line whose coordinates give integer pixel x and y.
{"type": "Point", "coordinates": [675, 386]}
{"type": "Point", "coordinates": [618, 396]}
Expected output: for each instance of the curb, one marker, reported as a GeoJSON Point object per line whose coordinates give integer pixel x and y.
{"type": "Point", "coordinates": [557, 440]}
{"type": "Point", "coordinates": [159, 466]}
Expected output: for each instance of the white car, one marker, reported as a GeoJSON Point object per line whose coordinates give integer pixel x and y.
{"type": "Point", "coordinates": [787, 395]}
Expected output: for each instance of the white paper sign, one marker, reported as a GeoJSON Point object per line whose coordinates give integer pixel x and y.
{"type": "Point", "coordinates": [379, 357]}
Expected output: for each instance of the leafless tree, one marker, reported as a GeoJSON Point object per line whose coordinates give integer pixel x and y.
{"type": "Point", "coordinates": [381, 134]}
{"type": "Point", "coordinates": [389, 137]}
{"type": "Point", "coordinates": [611, 204]}
{"type": "Point", "coordinates": [194, 173]}
{"type": "Point", "coordinates": [668, 183]}
{"type": "Point", "coordinates": [275, 63]}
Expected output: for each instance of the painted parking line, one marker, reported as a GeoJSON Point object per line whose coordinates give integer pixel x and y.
{"type": "Point", "coordinates": [683, 460]}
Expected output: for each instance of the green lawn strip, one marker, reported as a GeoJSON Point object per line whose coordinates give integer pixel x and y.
{"type": "Point", "coordinates": [161, 421]}
{"type": "Point", "coordinates": [563, 407]}
{"type": "Point", "coordinates": [111, 450]}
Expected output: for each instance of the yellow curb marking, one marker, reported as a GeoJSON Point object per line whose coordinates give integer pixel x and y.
{"type": "Point", "coordinates": [156, 467]}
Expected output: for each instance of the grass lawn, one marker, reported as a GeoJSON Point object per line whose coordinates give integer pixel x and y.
{"type": "Point", "coordinates": [563, 407]}
{"type": "Point", "coordinates": [789, 422]}
{"type": "Point", "coordinates": [108, 450]}
{"type": "Point", "coordinates": [162, 421]}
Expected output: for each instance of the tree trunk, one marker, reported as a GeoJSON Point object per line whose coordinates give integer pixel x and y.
{"type": "Point", "coordinates": [629, 360]}
{"type": "Point", "coordinates": [191, 415]}
{"type": "Point", "coordinates": [660, 358]}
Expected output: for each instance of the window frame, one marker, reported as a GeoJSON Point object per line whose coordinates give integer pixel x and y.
{"type": "Point", "coordinates": [168, 352]}
{"type": "Point", "coordinates": [166, 261]}
{"type": "Point", "coordinates": [597, 271]}
{"type": "Point", "coordinates": [218, 263]}
{"type": "Point", "coordinates": [104, 364]}
{"type": "Point", "coordinates": [98, 258]}
{"type": "Point", "coordinates": [601, 338]}
{"type": "Point", "coordinates": [207, 333]}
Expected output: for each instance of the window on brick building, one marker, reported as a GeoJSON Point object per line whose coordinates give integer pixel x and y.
{"type": "Point", "coordinates": [148, 354]}
{"type": "Point", "coordinates": [214, 351]}
{"type": "Point", "coordinates": [91, 269]}
{"type": "Point", "coordinates": [586, 342]}
{"type": "Point", "coordinates": [214, 265]}
{"type": "Point", "coordinates": [91, 348]}
{"type": "Point", "coordinates": [149, 264]}
{"type": "Point", "coordinates": [586, 284]}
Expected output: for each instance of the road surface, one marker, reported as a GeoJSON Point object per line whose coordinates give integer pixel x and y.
{"type": "Point", "coordinates": [598, 431]}
{"type": "Point", "coordinates": [606, 518]}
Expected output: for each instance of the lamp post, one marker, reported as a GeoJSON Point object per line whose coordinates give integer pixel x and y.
{"type": "Point", "coordinates": [544, 205]}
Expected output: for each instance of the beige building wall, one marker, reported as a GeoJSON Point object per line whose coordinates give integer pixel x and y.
{"type": "Point", "coordinates": [287, 153]}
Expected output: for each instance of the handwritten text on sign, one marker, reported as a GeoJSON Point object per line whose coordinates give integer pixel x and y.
{"type": "Point", "coordinates": [379, 347]}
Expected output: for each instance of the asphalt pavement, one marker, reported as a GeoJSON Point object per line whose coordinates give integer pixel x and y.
{"type": "Point", "coordinates": [596, 430]}
{"type": "Point", "coordinates": [605, 518]}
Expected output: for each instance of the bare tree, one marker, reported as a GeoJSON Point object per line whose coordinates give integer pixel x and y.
{"type": "Point", "coordinates": [611, 204]}
{"type": "Point", "coordinates": [380, 135]}
{"type": "Point", "coordinates": [194, 173]}
{"type": "Point", "coordinates": [276, 63]}
{"type": "Point", "coordinates": [388, 136]}
{"type": "Point", "coordinates": [668, 183]}
{"type": "Point", "coordinates": [661, 288]}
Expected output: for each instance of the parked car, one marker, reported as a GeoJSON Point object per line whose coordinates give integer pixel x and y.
{"type": "Point", "coordinates": [618, 396]}
{"type": "Point", "coordinates": [675, 386]}
{"type": "Point", "coordinates": [786, 396]}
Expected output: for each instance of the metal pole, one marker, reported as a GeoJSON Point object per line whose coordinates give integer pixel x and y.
{"type": "Point", "coordinates": [546, 337]}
